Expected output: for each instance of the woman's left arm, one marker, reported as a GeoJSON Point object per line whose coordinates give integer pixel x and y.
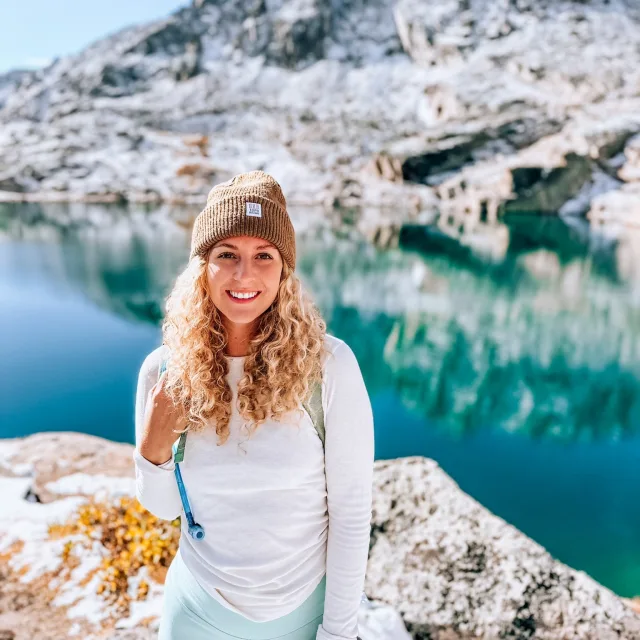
{"type": "Point", "coordinates": [349, 455]}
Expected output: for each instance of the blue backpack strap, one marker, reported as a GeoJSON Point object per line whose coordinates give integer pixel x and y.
{"type": "Point", "coordinates": [178, 447]}
{"type": "Point", "coordinates": [196, 531]}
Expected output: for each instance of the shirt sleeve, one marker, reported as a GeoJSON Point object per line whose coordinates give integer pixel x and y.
{"type": "Point", "coordinates": [349, 457]}
{"type": "Point", "coordinates": [156, 486]}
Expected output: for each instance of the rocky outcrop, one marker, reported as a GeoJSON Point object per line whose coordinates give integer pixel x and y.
{"type": "Point", "coordinates": [453, 570]}
{"type": "Point", "coordinates": [9, 81]}
{"type": "Point", "coordinates": [440, 565]}
{"type": "Point", "coordinates": [392, 105]}
{"type": "Point", "coordinates": [621, 207]}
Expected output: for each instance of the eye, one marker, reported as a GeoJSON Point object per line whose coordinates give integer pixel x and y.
{"type": "Point", "coordinates": [262, 256]}
{"type": "Point", "coordinates": [226, 254]}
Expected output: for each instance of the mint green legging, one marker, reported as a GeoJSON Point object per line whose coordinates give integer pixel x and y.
{"type": "Point", "coordinates": [190, 613]}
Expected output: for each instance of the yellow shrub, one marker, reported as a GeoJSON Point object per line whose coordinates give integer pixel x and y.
{"type": "Point", "coordinates": [132, 537]}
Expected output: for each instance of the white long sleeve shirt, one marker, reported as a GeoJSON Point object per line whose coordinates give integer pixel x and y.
{"type": "Point", "coordinates": [277, 511]}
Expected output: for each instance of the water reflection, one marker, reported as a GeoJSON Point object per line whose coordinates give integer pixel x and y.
{"type": "Point", "coordinates": [122, 260]}
{"type": "Point", "coordinates": [544, 341]}
{"type": "Point", "coordinates": [512, 360]}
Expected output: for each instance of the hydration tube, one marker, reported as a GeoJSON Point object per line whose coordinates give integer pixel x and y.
{"type": "Point", "coordinates": [195, 530]}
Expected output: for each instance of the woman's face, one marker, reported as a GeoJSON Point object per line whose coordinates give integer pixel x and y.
{"type": "Point", "coordinates": [248, 267]}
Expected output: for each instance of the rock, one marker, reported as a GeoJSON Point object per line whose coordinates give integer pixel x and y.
{"type": "Point", "coordinates": [474, 194]}
{"type": "Point", "coordinates": [634, 603]}
{"type": "Point", "coordinates": [545, 191]}
{"type": "Point", "coordinates": [297, 33]}
{"type": "Point", "coordinates": [31, 496]}
{"type": "Point", "coordinates": [440, 564]}
{"type": "Point", "coordinates": [58, 455]}
{"type": "Point", "coordinates": [10, 81]}
{"type": "Point", "coordinates": [377, 621]}
{"type": "Point", "coordinates": [454, 570]}
{"type": "Point", "coordinates": [431, 161]}
{"type": "Point", "coordinates": [630, 170]}
{"type": "Point", "coordinates": [621, 206]}
{"type": "Point", "coordinates": [560, 172]}
{"type": "Point", "coordinates": [345, 103]}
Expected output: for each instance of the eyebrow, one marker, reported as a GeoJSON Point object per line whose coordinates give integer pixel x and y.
{"type": "Point", "coordinates": [231, 246]}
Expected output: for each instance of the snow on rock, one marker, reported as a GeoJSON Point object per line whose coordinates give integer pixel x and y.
{"type": "Point", "coordinates": [34, 560]}
{"type": "Point", "coordinates": [455, 570]}
{"type": "Point", "coordinates": [440, 564]}
{"type": "Point", "coordinates": [316, 93]}
{"type": "Point", "coordinates": [100, 486]}
{"type": "Point", "coordinates": [61, 595]}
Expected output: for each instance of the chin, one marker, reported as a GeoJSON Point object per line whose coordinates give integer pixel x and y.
{"type": "Point", "coordinates": [241, 318]}
{"type": "Point", "coordinates": [240, 315]}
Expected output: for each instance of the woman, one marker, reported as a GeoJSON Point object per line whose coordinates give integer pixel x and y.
{"type": "Point", "coordinates": [287, 520]}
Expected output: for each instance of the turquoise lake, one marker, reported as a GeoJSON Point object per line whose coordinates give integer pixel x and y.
{"type": "Point", "coordinates": [516, 367]}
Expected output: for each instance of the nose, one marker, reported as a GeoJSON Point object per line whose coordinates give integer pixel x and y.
{"type": "Point", "coordinates": [243, 269]}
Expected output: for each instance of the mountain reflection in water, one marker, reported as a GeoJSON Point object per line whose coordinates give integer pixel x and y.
{"type": "Point", "coordinates": [516, 368]}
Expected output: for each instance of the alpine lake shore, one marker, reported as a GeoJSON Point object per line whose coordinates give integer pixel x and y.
{"type": "Point", "coordinates": [402, 121]}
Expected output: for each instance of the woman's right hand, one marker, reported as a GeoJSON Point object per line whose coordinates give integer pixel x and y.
{"type": "Point", "coordinates": [161, 417]}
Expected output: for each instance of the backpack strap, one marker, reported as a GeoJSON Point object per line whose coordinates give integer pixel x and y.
{"type": "Point", "coordinates": [178, 448]}
{"type": "Point", "coordinates": [313, 406]}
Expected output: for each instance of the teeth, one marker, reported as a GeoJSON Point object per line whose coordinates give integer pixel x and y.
{"type": "Point", "coordinates": [245, 296]}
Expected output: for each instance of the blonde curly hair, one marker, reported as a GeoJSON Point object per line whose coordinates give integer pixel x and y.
{"type": "Point", "coordinates": [284, 360]}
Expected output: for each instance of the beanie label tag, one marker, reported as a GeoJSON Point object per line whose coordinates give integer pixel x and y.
{"type": "Point", "coordinates": [254, 209]}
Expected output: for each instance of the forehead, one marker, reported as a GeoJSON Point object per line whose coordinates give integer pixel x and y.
{"type": "Point", "coordinates": [245, 242]}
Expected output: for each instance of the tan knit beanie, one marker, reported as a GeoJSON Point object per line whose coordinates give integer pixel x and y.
{"type": "Point", "coordinates": [250, 204]}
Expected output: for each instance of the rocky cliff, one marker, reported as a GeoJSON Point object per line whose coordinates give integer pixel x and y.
{"type": "Point", "coordinates": [463, 108]}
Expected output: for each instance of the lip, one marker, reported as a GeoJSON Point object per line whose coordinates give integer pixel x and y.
{"type": "Point", "coordinates": [242, 301]}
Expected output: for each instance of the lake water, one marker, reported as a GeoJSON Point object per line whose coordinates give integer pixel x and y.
{"type": "Point", "coordinates": [513, 360]}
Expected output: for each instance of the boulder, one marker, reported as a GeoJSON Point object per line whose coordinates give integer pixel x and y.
{"type": "Point", "coordinates": [453, 570]}
{"type": "Point", "coordinates": [440, 565]}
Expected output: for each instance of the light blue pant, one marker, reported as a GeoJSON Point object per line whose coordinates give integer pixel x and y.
{"type": "Point", "coordinates": [190, 613]}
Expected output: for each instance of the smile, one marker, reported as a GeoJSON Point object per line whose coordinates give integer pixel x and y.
{"type": "Point", "coordinates": [242, 296]}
